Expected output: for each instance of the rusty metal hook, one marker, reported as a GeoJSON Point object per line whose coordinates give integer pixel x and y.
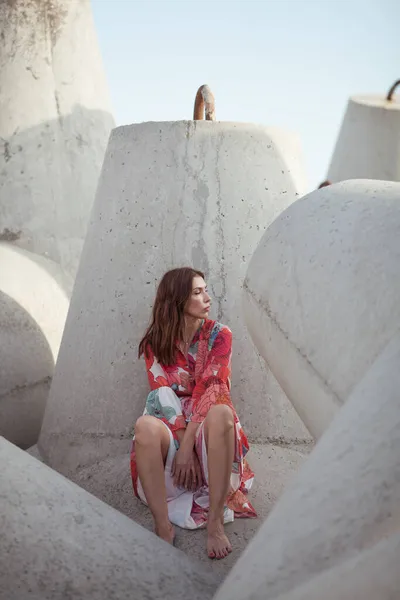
{"type": "Point", "coordinates": [390, 93]}
{"type": "Point", "coordinates": [324, 184]}
{"type": "Point", "coordinates": [204, 104]}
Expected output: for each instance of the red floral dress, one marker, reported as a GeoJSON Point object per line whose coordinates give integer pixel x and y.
{"type": "Point", "coordinates": [185, 392]}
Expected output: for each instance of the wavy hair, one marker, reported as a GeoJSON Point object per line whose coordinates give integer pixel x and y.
{"type": "Point", "coordinates": [168, 323]}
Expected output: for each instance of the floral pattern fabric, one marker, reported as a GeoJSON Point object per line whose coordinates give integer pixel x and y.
{"type": "Point", "coordinates": [185, 392]}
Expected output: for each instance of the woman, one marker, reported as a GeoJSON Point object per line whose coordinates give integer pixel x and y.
{"type": "Point", "coordinates": [187, 458]}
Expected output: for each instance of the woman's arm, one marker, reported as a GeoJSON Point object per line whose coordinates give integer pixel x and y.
{"type": "Point", "coordinates": [162, 402]}
{"type": "Point", "coordinates": [189, 435]}
{"type": "Point", "coordinates": [214, 384]}
{"type": "Point", "coordinates": [212, 387]}
{"type": "Point", "coordinates": [186, 469]}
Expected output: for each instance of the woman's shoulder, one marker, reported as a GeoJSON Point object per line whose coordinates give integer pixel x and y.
{"type": "Point", "coordinates": [214, 329]}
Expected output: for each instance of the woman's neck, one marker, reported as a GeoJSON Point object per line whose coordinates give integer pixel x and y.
{"type": "Point", "coordinates": [191, 326]}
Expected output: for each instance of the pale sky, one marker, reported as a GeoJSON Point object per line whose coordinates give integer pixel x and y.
{"type": "Point", "coordinates": [284, 63]}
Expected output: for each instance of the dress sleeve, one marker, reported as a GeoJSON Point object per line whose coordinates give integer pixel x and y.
{"type": "Point", "coordinates": [162, 402]}
{"type": "Point", "coordinates": [213, 386]}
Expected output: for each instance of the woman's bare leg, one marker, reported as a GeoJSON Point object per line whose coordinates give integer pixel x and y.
{"type": "Point", "coordinates": [220, 440]}
{"type": "Point", "coordinates": [151, 447]}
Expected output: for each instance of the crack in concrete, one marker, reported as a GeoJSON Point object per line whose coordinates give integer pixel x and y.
{"type": "Point", "coordinates": [283, 442]}
{"type": "Point", "coordinates": [187, 171]}
{"type": "Point", "coordinates": [50, 24]}
{"type": "Point", "coordinates": [36, 77]}
{"type": "Point", "coordinates": [26, 386]}
{"type": "Point", "coordinates": [57, 101]}
{"type": "Point", "coordinates": [202, 195]}
{"type": "Point", "coordinates": [220, 232]}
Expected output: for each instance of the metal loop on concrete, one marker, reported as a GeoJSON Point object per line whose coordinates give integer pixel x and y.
{"type": "Point", "coordinates": [390, 93]}
{"type": "Point", "coordinates": [324, 184]}
{"type": "Point", "coordinates": [204, 104]}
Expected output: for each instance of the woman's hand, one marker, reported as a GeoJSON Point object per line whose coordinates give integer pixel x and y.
{"type": "Point", "coordinates": [186, 469]}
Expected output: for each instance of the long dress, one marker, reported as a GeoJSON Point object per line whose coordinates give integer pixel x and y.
{"type": "Point", "coordinates": [183, 393]}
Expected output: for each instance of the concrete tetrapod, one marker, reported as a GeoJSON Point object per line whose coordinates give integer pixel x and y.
{"type": "Point", "coordinates": [368, 143]}
{"type": "Point", "coordinates": [372, 575]}
{"type": "Point", "coordinates": [60, 542]}
{"type": "Point", "coordinates": [322, 293]}
{"type": "Point", "coordinates": [34, 303]}
{"type": "Point", "coordinates": [55, 120]}
{"type": "Point", "coordinates": [170, 194]}
{"type": "Point", "coordinates": [326, 317]}
{"type": "Point", "coordinates": [344, 500]}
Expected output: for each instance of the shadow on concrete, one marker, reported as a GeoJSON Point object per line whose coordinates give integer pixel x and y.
{"type": "Point", "coordinates": [26, 369]}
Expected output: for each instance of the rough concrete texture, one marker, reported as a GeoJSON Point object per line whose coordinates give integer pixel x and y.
{"type": "Point", "coordinates": [170, 194]}
{"type": "Point", "coordinates": [368, 143]}
{"type": "Point", "coordinates": [55, 121]}
{"type": "Point", "coordinates": [344, 500]}
{"type": "Point", "coordinates": [34, 451]}
{"type": "Point", "coordinates": [288, 146]}
{"type": "Point", "coordinates": [273, 465]}
{"type": "Point", "coordinates": [34, 303]}
{"type": "Point", "coordinates": [373, 574]}
{"type": "Point", "coordinates": [322, 293]}
{"type": "Point", "coordinates": [60, 542]}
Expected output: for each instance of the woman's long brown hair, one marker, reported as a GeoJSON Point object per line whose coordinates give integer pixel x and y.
{"type": "Point", "coordinates": [168, 323]}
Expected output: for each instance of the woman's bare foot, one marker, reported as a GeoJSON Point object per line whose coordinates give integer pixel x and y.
{"type": "Point", "coordinates": [218, 545]}
{"type": "Point", "coordinates": [165, 531]}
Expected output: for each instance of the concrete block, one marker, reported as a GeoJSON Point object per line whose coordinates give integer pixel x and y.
{"type": "Point", "coordinates": [34, 303]}
{"type": "Point", "coordinates": [371, 575]}
{"type": "Point", "coordinates": [55, 120]}
{"type": "Point", "coordinates": [344, 500]}
{"type": "Point", "coordinates": [368, 142]}
{"type": "Point", "coordinates": [322, 293]}
{"type": "Point", "coordinates": [60, 542]}
{"type": "Point", "coordinates": [170, 194]}
{"type": "Point", "coordinates": [326, 317]}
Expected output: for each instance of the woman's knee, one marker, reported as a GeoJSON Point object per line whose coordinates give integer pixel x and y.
{"type": "Point", "coordinates": [221, 415]}
{"type": "Point", "coordinates": [147, 430]}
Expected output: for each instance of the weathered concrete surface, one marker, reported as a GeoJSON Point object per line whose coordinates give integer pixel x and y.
{"type": "Point", "coordinates": [55, 121]}
{"type": "Point", "coordinates": [368, 143]}
{"type": "Point", "coordinates": [60, 542]}
{"type": "Point", "coordinates": [34, 303]}
{"type": "Point", "coordinates": [372, 575]}
{"type": "Point", "coordinates": [170, 194]}
{"type": "Point", "coordinates": [345, 498]}
{"type": "Point", "coordinates": [322, 293]}
{"type": "Point", "coordinates": [274, 467]}
{"type": "Point", "coordinates": [289, 147]}
{"type": "Point", "coordinates": [34, 451]}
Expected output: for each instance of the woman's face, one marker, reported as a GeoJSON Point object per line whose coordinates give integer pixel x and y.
{"type": "Point", "coordinates": [199, 302]}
